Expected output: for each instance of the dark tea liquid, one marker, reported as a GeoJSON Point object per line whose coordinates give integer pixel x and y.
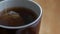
{"type": "Point", "coordinates": [18, 16]}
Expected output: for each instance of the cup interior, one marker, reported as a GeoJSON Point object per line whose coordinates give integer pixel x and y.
{"type": "Point", "coordinates": [20, 3]}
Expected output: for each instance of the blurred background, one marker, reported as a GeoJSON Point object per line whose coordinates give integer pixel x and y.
{"type": "Point", "coordinates": [51, 16]}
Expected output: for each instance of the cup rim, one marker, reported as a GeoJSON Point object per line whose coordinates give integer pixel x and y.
{"type": "Point", "coordinates": [24, 26]}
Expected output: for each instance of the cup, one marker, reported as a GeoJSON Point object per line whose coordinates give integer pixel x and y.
{"type": "Point", "coordinates": [31, 28]}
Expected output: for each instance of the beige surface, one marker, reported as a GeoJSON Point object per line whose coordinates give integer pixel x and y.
{"type": "Point", "coordinates": [51, 16]}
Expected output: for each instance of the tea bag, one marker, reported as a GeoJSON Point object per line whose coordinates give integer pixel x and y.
{"type": "Point", "coordinates": [14, 14]}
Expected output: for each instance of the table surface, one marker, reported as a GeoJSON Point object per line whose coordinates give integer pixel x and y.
{"type": "Point", "coordinates": [50, 20]}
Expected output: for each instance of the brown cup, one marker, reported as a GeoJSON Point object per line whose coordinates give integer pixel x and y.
{"type": "Point", "coordinates": [31, 28]}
